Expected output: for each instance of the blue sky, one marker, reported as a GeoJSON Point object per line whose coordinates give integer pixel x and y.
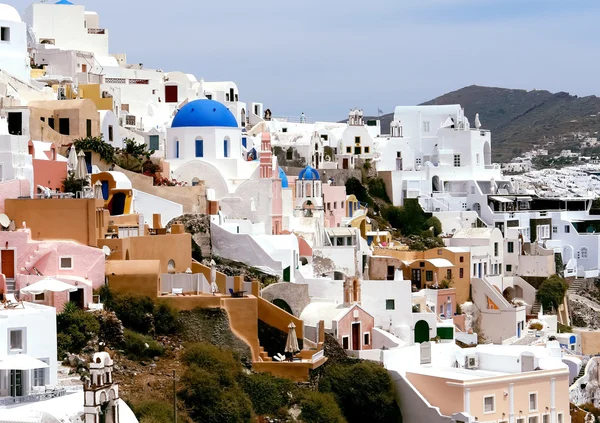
{"type": "Point", "coordinates": [325, 57]}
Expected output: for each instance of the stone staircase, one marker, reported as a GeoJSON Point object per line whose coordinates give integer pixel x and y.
{"type": "Point", "coordinates": [581, 373]}
{"type": "Point", "coordinates": [575, 286]}
{"type": "Point", "coordinates": [264, 355]}
{"type": "Point", "coordinates": [535, 309]}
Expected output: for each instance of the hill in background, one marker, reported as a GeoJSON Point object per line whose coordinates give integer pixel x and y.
{"type": "Point", "coordinates": [519, 119]}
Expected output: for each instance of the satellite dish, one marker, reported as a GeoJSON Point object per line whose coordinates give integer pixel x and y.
{"type": "Point", "coordinates": [106, 250]}
{"type": "Point", "coordinates": [4, 220]}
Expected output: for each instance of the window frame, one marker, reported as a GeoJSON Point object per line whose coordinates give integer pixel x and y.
{"type": "Point", "coordinates": [535, 416]}
{"type": "Point", "coordinates": [493, 397]}
{"type": "Point", "coordinates": [5, 34]}
{"type": "Point", "coordinates": [510, 247]}
{"type": "Point", "coordinates": [536, 401]}
{"type": "Point", "coordinates": [346, 342]}
{"type": "Point", "coordinates": [60, 264]}
{"type": "Point", "coordinates": [388, 302]}
{"type": "Point", "coordinates": [366, 338]}
{"type": "Point", "coordinates": [23, 349]}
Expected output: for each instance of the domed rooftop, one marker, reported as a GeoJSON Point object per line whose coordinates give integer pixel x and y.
{"type": "Point", "coordinates": [63, 2]}
{"type": "Point", "coordinates": [284, 179]}
{"type": "Point", "coordinates": [309, 173]}
{"type": "Point", "coordinates": [204, 112]}
{"type": "Point", "coordinates": [9, 13]}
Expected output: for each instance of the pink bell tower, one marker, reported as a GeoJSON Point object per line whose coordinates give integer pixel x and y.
{"type": "Point", "coordinates": [266, 157]}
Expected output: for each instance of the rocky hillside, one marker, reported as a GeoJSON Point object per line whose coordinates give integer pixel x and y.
{"type": "Point", "coordinates": [519, 118]}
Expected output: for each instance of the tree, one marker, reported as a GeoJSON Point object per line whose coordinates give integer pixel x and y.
{"type": "Point", "coordinates": [364, 391]}
{"type": "Point", "coordinates": [133, 155]}
{"type": "Point", "coordinates": [552, 292]}
{"type": "Point", "coordinates": [97, 145]}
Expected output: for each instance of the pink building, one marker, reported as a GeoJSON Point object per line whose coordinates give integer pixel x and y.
{"type": "Point", "coordinates": [24, 261]}
{"type": "Point", "coordinates": [351, 325]}
{"type": "Point", "coordinates": [278, 182]}
{"type": "Point", "coordinates": [49, 167]}
{"type": "Point", "coordinates": [334, 200]}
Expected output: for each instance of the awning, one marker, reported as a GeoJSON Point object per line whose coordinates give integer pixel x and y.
{"type": "Point", "coordinates": [21, 362]}
{"type": "Point", "coordinates": [502, 199]}
{"type": "Point", "coordinates": [48, 284]}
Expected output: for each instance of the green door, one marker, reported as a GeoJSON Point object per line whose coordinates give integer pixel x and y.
{"type": "Point", "coordinates": [421, 332]}
{"type": "Point", "coordinates": [286, 274]}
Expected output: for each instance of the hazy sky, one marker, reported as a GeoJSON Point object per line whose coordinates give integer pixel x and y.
{"type": "Point", "coordinates": [324, 57]}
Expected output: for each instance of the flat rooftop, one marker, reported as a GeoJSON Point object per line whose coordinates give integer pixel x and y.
{"type": "Point", "coordinates": [455, 373]}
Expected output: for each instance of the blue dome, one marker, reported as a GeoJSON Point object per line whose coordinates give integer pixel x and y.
{"type": "Point", "coordinates": [204, 113]}
{"type": "Point", "coordinates": [284, 179]}
{"type": "Point", "coordinates": [309, 173]}
{"type": "Point", "coordinates": [63, 2]}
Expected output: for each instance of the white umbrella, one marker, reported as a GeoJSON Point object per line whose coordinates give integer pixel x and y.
{"type": "Point", "coordinates": [72, 160]}
{"type": "Point", "coordinates": [48, 284]}
{"type": "Point", "coordinates": [213, 277]}
{"type": "Point", "coordinates": [21, 362]}
{"type": "Point", "coordinates": [291, 345]}
{"type": "Point", "coordinates": [81, 172]}
{"type": "Point", "coordinates": [98, 190]}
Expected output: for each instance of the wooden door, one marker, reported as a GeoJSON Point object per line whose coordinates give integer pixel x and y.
{"type": "Point", "coordinates": [345, 163]}
{"type": "Point", "coordinates": [416, 277]}
{"type": "Point", "coordinates": [356, 336]}
{"type": "Point", "coordinates": [8, 263]}
{"type": "Point", "coordinates": [77, 297]}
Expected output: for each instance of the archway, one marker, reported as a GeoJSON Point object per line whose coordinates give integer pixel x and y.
{"type": "Point", "coordinates": [435, 184]}
{"type": "Point", "coordinates": [518, 292]}
{"type": "Point", "coordinates": [282, 304]}
{"type": "Point", "coordinates": [171, 266]}
{"type": "Point", "coordinates": [487, 154]}
{"type": "Point", "coordinates": [509, 293]}
{"type": "Point", "coordinates": [195, 182]}
{"type": "Point", "coordinates": [304, 261]}
{"type": "Point", "coordinates": [568, 253]}
{"type": "Point", "coordinates": [421, 332]}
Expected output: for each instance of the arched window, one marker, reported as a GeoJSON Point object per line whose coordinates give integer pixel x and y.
{"type": "Point", "coordinates": [226, 147]}
{"type": "Point", "coordinates": [171, 266]}
{"type": "Point", "coordinates": [584, 253]}
{"type": "Point", "coordinates": [195, 182]}
{"type": "Point", "coordinates": [176, 149]}
{"type": "Point", "coordinates": [199, 147]}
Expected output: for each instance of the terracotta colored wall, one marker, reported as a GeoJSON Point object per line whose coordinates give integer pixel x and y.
{"type": "Point", "coordinates": [176, 247]}
{"type": "Point", "coordinates": [590, 341]}
{"type": "Point", "coordinates": [449, 399]}
{"type": "Point", "coordinates": [192, 302]}
{"type": "Point", "coordinates": [278, 318]}
{"type": "Point", "coordinates": [139, 277]}
{"type": "Point", "coordinates": [57, 219]}
{"type": "Point", "coordinates": [460, 284]}
{"type": "Point", "coordinates": [243, 320]}
{"type": "Point", "coordinates": [367, 322]}
{"type": "Point", "coordinates": [49, 173]}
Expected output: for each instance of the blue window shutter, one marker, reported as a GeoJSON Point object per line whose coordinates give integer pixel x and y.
{"type": "Point", "coordinates": [225, 149]}
{"type": "Point", "coordinates": [199, 148]}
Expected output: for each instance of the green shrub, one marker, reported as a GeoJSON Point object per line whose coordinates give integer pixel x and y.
{"type": "Point", "coordinates": [111, 329]}
{"type": "Point", "coordinates": [319, 407]}
{"type": "Point", "coordinates": [63, 345]}
{"type": "Point", "coordinates": [165, 319]}
{"type": "Point", "coordinates": [364, 391]}
{"type": "Point", "coordinates": [77, 328]}
{"type": "Point", "coordinates": [152, 411]}
{"type": "Point", "coordinates": [140, 346]}
{"type": "Point", "coordinates": [552, 292]}
{"type": "Point", "coordinates": [268, 393]}
{"type": "Point", "coordinates": [220, 362]}
{"type": "Point", "coordinates": [377, 189]}
{"type": "Point", "coordinates": [208, 401]}
{"type": "Point", "coordinates": [135, 311]}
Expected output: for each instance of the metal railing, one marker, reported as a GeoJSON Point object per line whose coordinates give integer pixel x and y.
{"type": "Point", "coordinates": [55, 393]}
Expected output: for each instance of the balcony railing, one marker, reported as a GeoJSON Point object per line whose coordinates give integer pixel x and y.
{"type": "Point", "coordinates": [55, 393]}
{"type": "Point", "coordinates": [100, 31]}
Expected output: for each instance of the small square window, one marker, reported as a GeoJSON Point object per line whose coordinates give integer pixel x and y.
{"type": "Point", "coordinates": [366, 339]}
{"type": "Point", "coordinates": [509, 267]}
{"type": "Point", "coordinates": [555, 229]}
{"type": "Point", "coordinates": [367, 150]}
{"type": "Point", "coordinates": [356, 140]}
{"type": "Point", "coordinates": [429, 276]}
{"type": "Point", "coordinates": [5, 33]}
{"type": "Point", "coordinates": [390, 304]}
{"type": "Point", "coordinates": [461, 259]}
{"type": "Point", "coordinates": [283, 129]}
{"type": "Point", "coordinates": [66, 263]}
{"type": "Point", "coordinates": [38, 298]}
{"type": "Point", "coordinates": [422, 264]}
{"type": "Point", "coordinates": [348, 149]}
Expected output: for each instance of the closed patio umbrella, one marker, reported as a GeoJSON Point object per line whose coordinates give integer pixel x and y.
{"type": "Point", "coordinates": [21, 362]}
{"type": "Point", "coordinates": [72, 160]}
{"type": "Point", "coordinates": [291, 345]}
{"type": "Point", "coordinates": [81, 172]}
{"type": "Point", "coordinates": [213, 277]}
{"type": "Point", "coordinates": [98, 190]}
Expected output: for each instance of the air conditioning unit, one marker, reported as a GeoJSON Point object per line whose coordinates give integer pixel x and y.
{"type": "Point", "coordinates": [471, 362]}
